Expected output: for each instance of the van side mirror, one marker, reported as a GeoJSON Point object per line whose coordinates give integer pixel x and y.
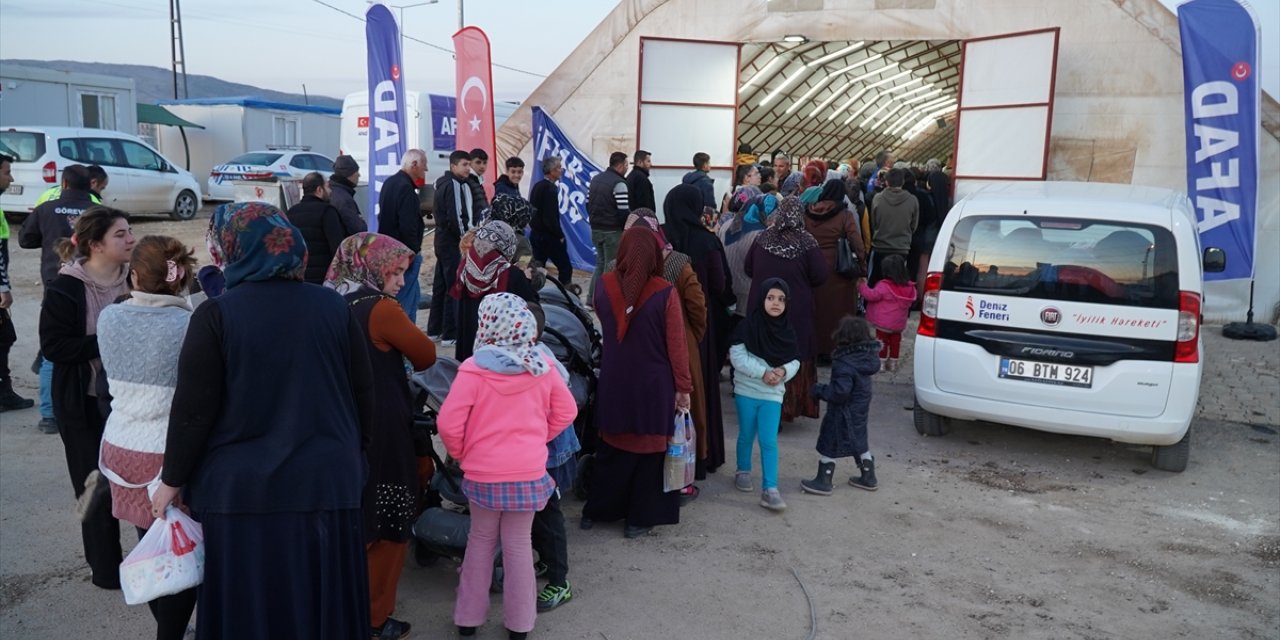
{"type": "Point", "coordinates": [1215, 260]}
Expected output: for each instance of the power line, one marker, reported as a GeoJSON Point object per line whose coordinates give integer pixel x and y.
{"type": "Point", "coordinates": [424, 42]}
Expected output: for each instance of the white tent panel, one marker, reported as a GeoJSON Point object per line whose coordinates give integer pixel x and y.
{"type": "Point", "coordinates": [669, 65]}
{"type": "Point", "coordinates": [1008, 70]}
{"type": "Point", "coordinates": [673, 133]}
{"type": "Point", "coordinates": [1009, 143]}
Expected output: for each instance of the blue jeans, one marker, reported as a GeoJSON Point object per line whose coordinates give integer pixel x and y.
{"type": "Point", "coordinates": [759, 419]}
{"type": "Point", "coordinates": [411, 292]}
{"type": "Point", "coordinates": [46, 388]}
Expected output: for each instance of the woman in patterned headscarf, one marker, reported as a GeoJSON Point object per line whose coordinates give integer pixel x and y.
{"type": "Point", "coordinates": [829, 220]}
{"type": "Point", "coordinates": [210, 276]}
{"type": "Point", "coordinates": [271, 410]}
{"type": "Point", "coordinates": [368, 270]}
{"type": "Point", "coordinates": [487, 267]}
{"type": "Point", "coordinates": [787, 251]}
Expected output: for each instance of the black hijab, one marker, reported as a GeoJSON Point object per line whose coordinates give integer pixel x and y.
{"type": "Point", "coordinates": [766, 337]}
{"type": "Point", "coordinates": [684, 230]}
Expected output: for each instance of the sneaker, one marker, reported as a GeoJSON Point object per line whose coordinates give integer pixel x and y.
{"type": "Point", "coordinates": [742, 481]}
{"type": "Point", "coordinates": [434, 337]}
{"type": "Point", "coordinates": [392, 629]}
{"type": "Point", "coordinates": [772, 500]}
{"type": "Point", "coordinates": [540, 569]}
{"type": "Point", "coordinates": [553, 596]}
{"type": "Point", "coordinates": [449, 342]}
{"type": "Point", "coordinates": [48, 425]}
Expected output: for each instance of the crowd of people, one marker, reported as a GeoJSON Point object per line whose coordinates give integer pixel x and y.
{"type": "Point", "coordinates": [289, 435]}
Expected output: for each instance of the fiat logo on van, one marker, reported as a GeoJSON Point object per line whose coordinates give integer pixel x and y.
{"type": "Point", "coordinates": [1051, 316]}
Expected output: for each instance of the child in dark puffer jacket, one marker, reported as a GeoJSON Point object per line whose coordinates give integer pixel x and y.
{"type": "Point", "coordinates": [844, 426]}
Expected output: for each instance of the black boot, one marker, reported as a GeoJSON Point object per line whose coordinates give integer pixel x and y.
{"type": "Point", "coordinates": [868, 478]}
{"type": "Point", "coordinates": [820, 484]}
{"type": "Point", "coordinates": [10, 401]}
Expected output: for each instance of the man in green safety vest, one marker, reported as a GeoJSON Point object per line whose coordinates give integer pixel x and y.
{"type": "Point", "coordinates": [97, 184]}
{"type": "Point", "coordinates": [9, 400]}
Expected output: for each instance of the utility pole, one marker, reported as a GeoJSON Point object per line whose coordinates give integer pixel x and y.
{"type": "Point", "coordinates": [176, 49]}
{"type": "Point", "coordinates": [461, 20]}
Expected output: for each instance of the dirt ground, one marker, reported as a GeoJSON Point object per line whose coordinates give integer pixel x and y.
{"type": "Point", "coordinates": [990, 532]}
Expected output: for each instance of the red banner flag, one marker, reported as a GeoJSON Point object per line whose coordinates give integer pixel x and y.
{"type": "Point", "coordinates": [475, 98]}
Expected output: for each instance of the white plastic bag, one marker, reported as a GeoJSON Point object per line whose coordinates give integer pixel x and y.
{"type": "Point", "coordinates": [682, 455]}
{"type": "Point", "coordinates": [169, 559]}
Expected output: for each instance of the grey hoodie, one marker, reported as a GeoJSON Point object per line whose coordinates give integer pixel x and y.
{"type": "Point", "coordinates": [894, 216]}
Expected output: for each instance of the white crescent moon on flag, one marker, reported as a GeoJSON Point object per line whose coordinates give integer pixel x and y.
{"type": "Point", "coordinates": [473, 82]}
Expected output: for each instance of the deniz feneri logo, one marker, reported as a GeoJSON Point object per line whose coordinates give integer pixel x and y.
{"type": "Point", "coordinates": [968, 308]}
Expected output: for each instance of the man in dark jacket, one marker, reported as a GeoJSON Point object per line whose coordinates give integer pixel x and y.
{"type": "Point", "coordinates": [342, 195]}
{"type": "Point", "coordinates": [894, 216]}
{"type": "Point", "coordinates": [639, 187]}
{"type": "Point", "coordinates": [939, 187]}
{"type": "Point", "coordinates": [479, 166]}
{"type": "Point", "coordinates": [9, 400]}
{"type": "Point", "coordinates": [545, 232]}
{"type": "Point", "coordinates": [509, 182]}
{"type": "Point", "coordinates": [701, 178]}
{"type": "Point", "coordinates": [320, 224]}
{"type": "Point", "coordinates": [607, 212]}
{"type": "Point", "coordinates": [456, 212]}
{"type": "Point", "coordinates": [400, 218]}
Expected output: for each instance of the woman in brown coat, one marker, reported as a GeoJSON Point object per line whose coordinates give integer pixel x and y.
{"type": "Point", "coordinates": [828, 220]}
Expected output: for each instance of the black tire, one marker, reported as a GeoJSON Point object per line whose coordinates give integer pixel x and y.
{"type": "Point", "coordinates": [185, 206]}
{"type": "Point", "coordinates": [929, 424]}
{"type": "Point", "coordinates": [1173, 457]}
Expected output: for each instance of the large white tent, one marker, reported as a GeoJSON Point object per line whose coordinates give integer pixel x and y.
{"type": "Point", "coordinates": [888, 70]}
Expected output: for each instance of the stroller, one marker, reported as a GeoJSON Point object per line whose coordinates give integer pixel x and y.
{"type": "Point", "coordinates": [573, 337]}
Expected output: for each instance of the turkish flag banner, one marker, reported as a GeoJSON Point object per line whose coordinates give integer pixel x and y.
{"type": "Point", "coordinates": [475, 97]}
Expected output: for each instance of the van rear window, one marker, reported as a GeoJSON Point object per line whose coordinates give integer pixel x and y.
{"type": "Point", "coordinates": [24, 146]}
{"type": "Point", "coordinates": [256, 158]}
{"type": "Point", "coordinates": [1063, 259]}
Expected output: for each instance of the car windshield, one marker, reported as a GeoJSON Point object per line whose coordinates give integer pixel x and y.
{"type": "Point", "coordinates": [23, 146]}
{"type": "Point", "coordinates": [1063, 259]}
{"type": "Point", "coordinates": [258, 158]}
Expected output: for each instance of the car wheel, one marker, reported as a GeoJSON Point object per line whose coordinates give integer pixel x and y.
{"type": "Point", "coordinates": [1173, 457]}
{"type": "Point", "coordinates": [185, 206]}
{"type": "Point", "coordinates": [929, 424]}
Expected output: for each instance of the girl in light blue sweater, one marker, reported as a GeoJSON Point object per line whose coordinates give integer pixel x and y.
{"type": "Point", "coordinates": [764, 356]}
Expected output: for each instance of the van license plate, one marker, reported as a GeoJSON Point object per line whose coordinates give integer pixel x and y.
{"type": "Point", "coordinates": [1047, 372]}
{"type": "Point", "coordinates": [15, 189]}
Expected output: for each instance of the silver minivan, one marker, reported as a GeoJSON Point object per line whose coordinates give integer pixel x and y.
{"type": "Point", "coordinates": [1066, 307]}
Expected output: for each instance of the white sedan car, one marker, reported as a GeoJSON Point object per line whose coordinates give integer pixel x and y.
{"type": "Point", "coordinates": [266, 165]}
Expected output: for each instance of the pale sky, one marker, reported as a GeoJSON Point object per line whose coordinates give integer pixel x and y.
{"type": "Point", "coordinates": [281, 44]}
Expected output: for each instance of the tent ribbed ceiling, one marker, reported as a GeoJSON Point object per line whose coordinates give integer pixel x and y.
{"type": "Point", "coordinates": [840, 100]}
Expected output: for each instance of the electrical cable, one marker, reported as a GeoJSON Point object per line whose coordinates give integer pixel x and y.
{"type": "Point", "coordinates": [813, 613]}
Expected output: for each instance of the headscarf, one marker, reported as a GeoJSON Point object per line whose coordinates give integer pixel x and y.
{"type": "Point", "coordinates": [684, 229]}
{"type": "Point", "coordinates": [766, 337]}
{"type": "Point", "coordinates": [261, 244]}
{"type": "Point", "coordinates": [832, 191]}
{"type": "Point", "coordinates": [787, 237]}
{"type": "Point", "coordinates": [364, 260]}
{"type": "Point", "coordinates": [513, 210]}
{"type": "Point", "coordinates": [509, 328]}
{"type": "Point", "coordinates": [487, 264]}
{"type": "Point", "coordinates": [750, 215]}
{"type": "Point", "coordinates": [213, 236]}
{"type": "Point", "coordinates": [810, 195]}
{"type": "Point", "coordinates": [814, 173]}
{"type": "Point", "coordinates": [791, 184]}
{"type": "Point", "coordinates": [673, 261]}
{"type": "Point", "coordinates": [639, 260]}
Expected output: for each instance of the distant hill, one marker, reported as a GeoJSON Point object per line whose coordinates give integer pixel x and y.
{"type": "Point", "coordinates": [156, 83]}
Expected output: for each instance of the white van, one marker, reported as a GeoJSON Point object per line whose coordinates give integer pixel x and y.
{"type": "Point", "coordinates": [140, 180]}
{"type": "Point", "coordinates": [423, 126]}
{"type": "Point", "coordinates": [1066, 307]}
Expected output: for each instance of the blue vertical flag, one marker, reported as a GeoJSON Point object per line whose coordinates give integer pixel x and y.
{"type": "Point", "coordinates": [1220, 84]}
{"type": "Point", "coordinates": [386, 103]}
{"type": "Point", "coordinates": [549, 140]}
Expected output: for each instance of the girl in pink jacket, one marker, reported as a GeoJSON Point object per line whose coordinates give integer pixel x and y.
{"type": "Point", "coordinates": [887, 306]}
{"type": "Point", "coordinates": [501, 412]}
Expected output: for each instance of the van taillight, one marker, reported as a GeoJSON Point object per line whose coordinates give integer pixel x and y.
{"type": "Point", "coordinates": [929, 305]}
{"type": "Point", "coordinates": [1188, 347]}
{"type": "Point", "coordinates": [50, 172]}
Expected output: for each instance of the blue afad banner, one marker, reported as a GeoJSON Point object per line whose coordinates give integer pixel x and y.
{"type": "Point", "coordinates": [549, 140]}
{"type": "Point", "coordinates": [1220, 83]}
{"type": "Point", "coordinates": [444, 122]}
{"type": "Point", "coordinates": [386, 103]}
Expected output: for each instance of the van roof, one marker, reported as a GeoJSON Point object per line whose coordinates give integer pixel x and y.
{"type": "Point", "coordinates": [72, 131]}
{"type": "Point", "coordinates": [1089, 199]}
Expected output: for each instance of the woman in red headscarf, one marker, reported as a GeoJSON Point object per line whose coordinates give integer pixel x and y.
{"type": "Point", "coordinates": [644, 380]}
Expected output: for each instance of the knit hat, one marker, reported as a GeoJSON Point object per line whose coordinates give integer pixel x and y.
{"type": "Point", "coordinates": [344, 166]}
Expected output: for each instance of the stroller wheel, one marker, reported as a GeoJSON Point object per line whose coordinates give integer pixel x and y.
{"type": "Point", "coordinates": [422, 555]}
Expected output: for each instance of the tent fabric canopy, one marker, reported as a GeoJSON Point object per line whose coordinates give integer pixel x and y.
{"type": "Point", "coordinates": [156, 114]}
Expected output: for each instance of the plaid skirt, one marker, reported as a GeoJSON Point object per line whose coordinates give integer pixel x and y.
{"type": "Point", "coordinates": [526, 495]}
